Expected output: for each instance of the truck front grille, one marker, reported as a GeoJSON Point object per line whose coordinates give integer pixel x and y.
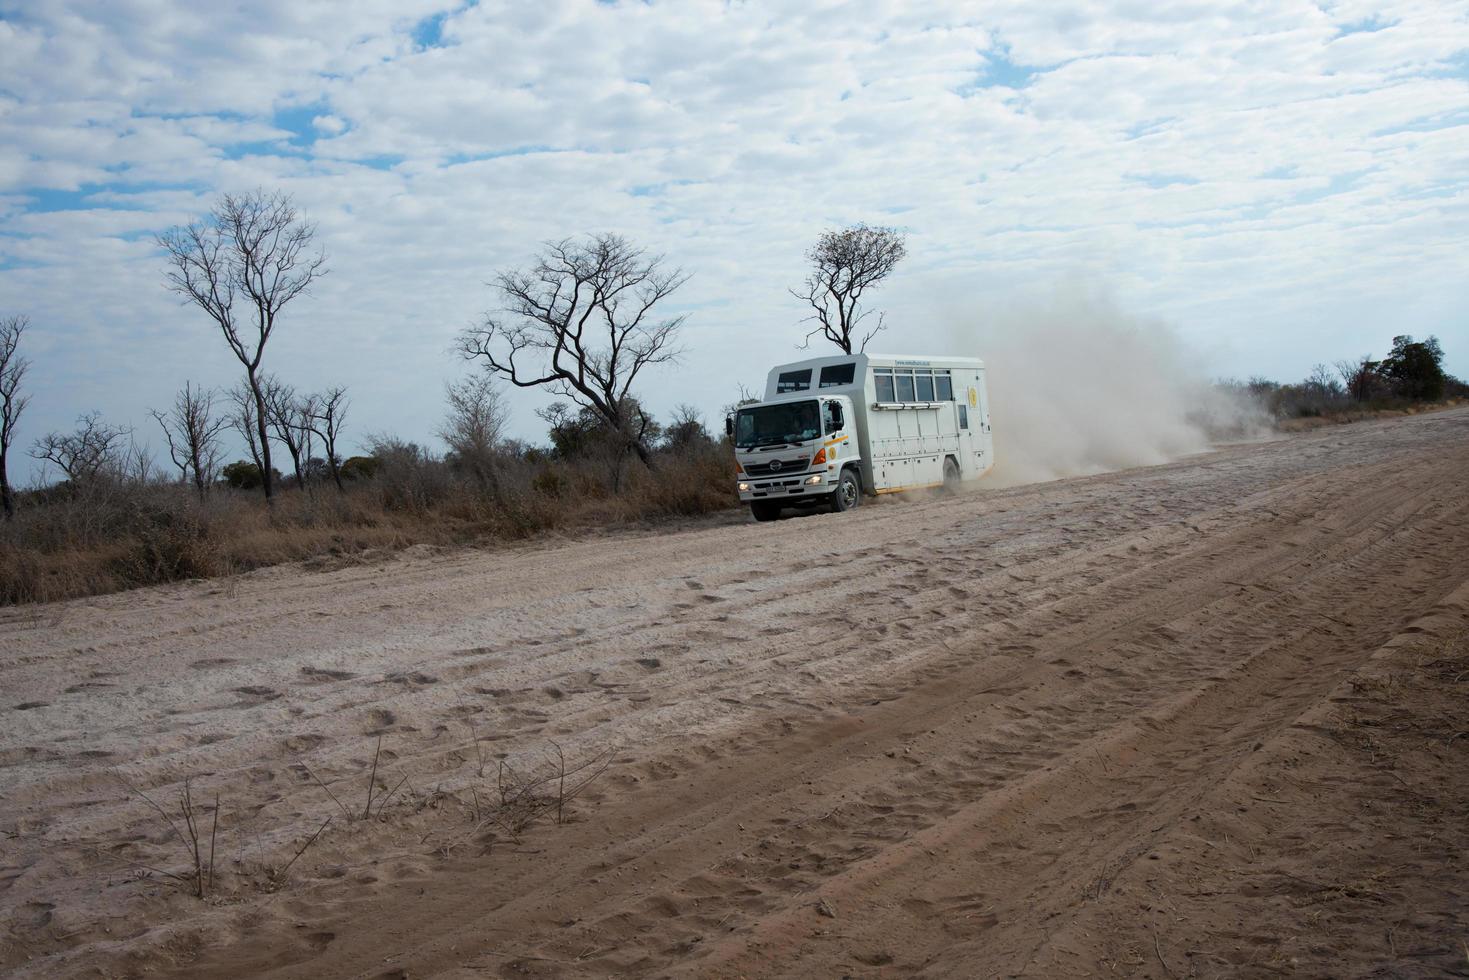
{"type": "Point", "coordinates": [786, 466]}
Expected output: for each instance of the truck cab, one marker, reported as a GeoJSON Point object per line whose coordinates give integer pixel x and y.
{"type": "Point", "coordinates": [797, 450]}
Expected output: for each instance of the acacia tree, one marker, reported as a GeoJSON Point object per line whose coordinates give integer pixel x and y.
{"type": "Point", "coordinates": [1415, 368]}
{"type": "Point", "coordinates": [325, 415]}
{"type": "Point", "coordinates": [844, 265]}
{"type": "Point", "coordinates": [192, 429]}
{"type": "Point", "coordinates": [12, 373]}
{"type": "Point", "coordinates": [85, 455]}
{"type": "Point", "coordinates": [241, 265]}
{"type": "Point", "coordinates": [580, 324]}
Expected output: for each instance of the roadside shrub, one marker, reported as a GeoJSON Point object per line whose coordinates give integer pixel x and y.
{"type": "Point", "coordinates": [244, 475]}
{"type": "Point", "coordinates": [550, 482]}
{"type": "Point", "coordinates": [82, 539]}
{"type": "Point", "coordinates": [168, 545]}
{"type": "Point", "coordinates": [359, 468]}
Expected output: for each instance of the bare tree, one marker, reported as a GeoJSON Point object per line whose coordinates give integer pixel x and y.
{"type": "Point", "coordinates": [325, 415]}
{"type": "Point", "coordinates": [12, 403]}
{"type": "Point", "coordinates": [1323, 382]}
{"type": "Point", "coordinates": [1360, 377]}
{"type": "Point", "coordinates": [844, 265]}
{"type": "Point", "coordinates": [686, 431]}
{"type": "Point", "coordinates": [583, 317]}
{"type": "Point", "coordinates": [244, 418]}
{"type": "Point", "coordinates": [475, 424]}
{"type": "Point", "coordinates": [289, 417]}
{"type": "Point", "coordinates": [192, 428]}
{"type": "Point", "coordinates": [136, 462]}
{"type": "Point", "coordinates": [252, 251]}
{"type": "Point", "coordinates": [90, 452]}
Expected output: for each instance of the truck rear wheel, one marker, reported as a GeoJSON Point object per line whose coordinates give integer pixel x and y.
{"type": "Point", "coordinates": [951, 475]}
{"type": "Point", "coordinates": [848, 493]}
{"type": "Point", "coordinates": [764, 510]}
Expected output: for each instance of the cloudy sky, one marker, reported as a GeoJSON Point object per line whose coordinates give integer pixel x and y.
{"type": "Point", "coordinates": [1283, 182]}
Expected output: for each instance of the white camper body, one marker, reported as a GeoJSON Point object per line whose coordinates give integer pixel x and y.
{"type": "Point", "coordinates": [834, 428]}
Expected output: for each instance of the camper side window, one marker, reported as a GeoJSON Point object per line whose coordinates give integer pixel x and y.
{"type": "Point", "coordinates": [836, 375]}
{"type": "Point", "coordinates": [884, 382]}
{"type": "Point", "coordinates": [945, 385]}
{"type": "Point", "coordinates": [905, 387]}
{"type": "Point", "coordinates": [925, 387]}
{"type": "Point", "coordinates": [793, 381]}
{"type": "Point", "coordinates": [963, 416]}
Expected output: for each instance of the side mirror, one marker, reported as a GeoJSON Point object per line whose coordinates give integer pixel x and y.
{"type": "Point", "coordinates": [729, 426]}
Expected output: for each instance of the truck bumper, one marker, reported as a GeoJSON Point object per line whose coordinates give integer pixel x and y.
{"type": "Point", "coordinates": [787, 488]}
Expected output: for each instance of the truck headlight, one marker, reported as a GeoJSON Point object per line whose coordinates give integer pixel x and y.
{"type": "Point", "coordinates": [813, 480]}
{"type": "Point", "coordinates": [744, 487]}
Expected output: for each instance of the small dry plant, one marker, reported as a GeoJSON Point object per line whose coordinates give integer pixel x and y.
{"type": "Point", "coordinates": [371, 793]}
{"type": "Point", "coordinates": [188, 830]}
{"type": "Point", "coordinates": [278, 876]}
{"type": "Point", "coordinates": [524, 794]}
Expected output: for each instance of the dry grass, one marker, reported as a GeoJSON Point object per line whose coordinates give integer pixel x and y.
{"type": "Point", "coordinates": [1348, 412]}
{"type": "Point", "coordinates": [112, 537]}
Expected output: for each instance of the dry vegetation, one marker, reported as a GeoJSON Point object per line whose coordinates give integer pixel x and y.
{"type": "Point", "coordinates": [1410, 378]}
{"type": "Point", "coordinates": [111, 534]}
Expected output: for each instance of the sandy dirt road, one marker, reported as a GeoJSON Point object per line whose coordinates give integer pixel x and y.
{"type": "Point", "coordinates": [1204, 719]}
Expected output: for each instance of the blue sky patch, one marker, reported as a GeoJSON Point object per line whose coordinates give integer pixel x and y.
{"type": "Point", "coordinates": [1368, 25]}
{"type": "Point", "coordinates": [429, 32]}
{"type": "Point", "coordinates": [1163, 180]}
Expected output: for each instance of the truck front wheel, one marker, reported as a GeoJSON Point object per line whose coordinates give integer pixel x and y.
{"type": "Point", "coordinates": [764, 510]}
{"type": "Point", "coordinates": [848, 493]}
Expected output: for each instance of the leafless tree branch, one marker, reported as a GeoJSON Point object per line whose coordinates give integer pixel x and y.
{"type": "Point", "coordinates": [242, 265]}
{"type": "Point", "coordinates": [13, 369]}
{"type": "Point", "coordinates": [86, 455]}
{"type": "Point", "coordinates": [289, 417]}
{"type": "Point", "coordinates": [475, 425]}
{"type": "Point", "coordinates": [192, 429]}
{"type": "Point", "coordinates": [326, 414]}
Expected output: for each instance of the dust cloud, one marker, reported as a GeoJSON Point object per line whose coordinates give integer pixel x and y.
{"type": "Point", "coordinates": [1077, 386]}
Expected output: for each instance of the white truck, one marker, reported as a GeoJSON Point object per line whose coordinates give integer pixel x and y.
{"type": "Point", "coordinates": [832, 429]}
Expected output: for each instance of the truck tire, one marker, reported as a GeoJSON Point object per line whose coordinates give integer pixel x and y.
{"type": "Point", "coordinates": [848, 493]}
{"type": "Point", "coordinates": [951, 475]}
{"type": "Point", "coordinates": [765, 510]}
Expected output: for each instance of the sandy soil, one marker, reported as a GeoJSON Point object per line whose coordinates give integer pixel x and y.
{"type": "Point", "coordinates": [1204, 719]}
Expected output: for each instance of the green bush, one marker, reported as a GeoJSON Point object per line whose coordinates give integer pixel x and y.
{"type": "Point", "coordinates": [359, 468]}
{"type": "Point", "coordinates": [244, 475]}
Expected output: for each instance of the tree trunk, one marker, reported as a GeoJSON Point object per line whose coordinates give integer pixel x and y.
{"type": "Point", "coordinates": [331, 460]}
{"type": "Point", "coordinates": [296, 465]}
{"type": "Point", "coordinates": [7, 498]}
{"type": "Point", "coordinates": [260, 430]}
{"type": "Point", "coordinates": [195, 455]}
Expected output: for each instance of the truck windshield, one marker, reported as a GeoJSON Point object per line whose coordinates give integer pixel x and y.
{"type": "Point", "coordinates": [768, 425]}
